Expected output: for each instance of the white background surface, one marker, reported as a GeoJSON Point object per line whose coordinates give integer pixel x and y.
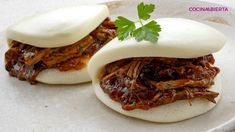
{"type": "Point", "coordinates": [42, 108]}
{"type": "Point", "coordinates": [230, 3]}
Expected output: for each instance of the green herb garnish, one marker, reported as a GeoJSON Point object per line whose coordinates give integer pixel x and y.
{"type": "Point", "coordinates": [148, 32]}
{"type": "Point", "coordinates": [81, 46]}
{"type": "Point", "coordinates": [167, 85]}
{"type": "Point", "coordinates": [133, 104]}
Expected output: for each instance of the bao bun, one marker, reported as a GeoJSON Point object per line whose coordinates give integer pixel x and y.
{"type": "Point", "coordinates": [179, 38]}
{"type": "Point", "coordinates": [59, 28]}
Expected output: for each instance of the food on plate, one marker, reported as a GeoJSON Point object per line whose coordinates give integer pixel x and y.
{"type": "Point", "coordinates": [55, 47]}
{"type": "Point", "coordinates": [172, 79]}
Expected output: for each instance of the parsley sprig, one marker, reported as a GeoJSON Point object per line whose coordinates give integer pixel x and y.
{"type": "Point", "coordinates": [148, 32]}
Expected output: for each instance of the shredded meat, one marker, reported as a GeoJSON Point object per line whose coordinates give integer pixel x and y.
{"type": "Point", "coordinates": [143, 83]}
{"type": "Point", "coordinates": [26, 62]}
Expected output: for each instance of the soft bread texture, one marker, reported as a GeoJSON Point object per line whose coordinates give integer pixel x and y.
{"type": "Point", "coordinates": [179, 38]}
{"type": "Point", "coordinates": [59, 27]}
{"type": "Point", "coordinates": [177, 111]}
{"type": "Point", "coordinates": [54, 76]}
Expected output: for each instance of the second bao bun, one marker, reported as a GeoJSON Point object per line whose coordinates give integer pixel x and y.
{"type": "Point", "coordinates": [59, 28]}
{"type": "Point", "coordinates": [179, 38]}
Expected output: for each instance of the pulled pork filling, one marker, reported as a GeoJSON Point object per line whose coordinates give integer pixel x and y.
{"type": "Point", "coordinates": [143, 83]}
{"type": "Point", "coordinates": [26, 62]}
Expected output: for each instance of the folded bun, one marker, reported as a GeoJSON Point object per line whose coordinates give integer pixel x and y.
{"type": "Point", "coordinates": [176, 111]}
{"type": "Point", "coordinates": [179, 38]}
{"type": "Point", "coordinates": [59, 27]}
{"type": "Point", "coordinates": [54, 76]}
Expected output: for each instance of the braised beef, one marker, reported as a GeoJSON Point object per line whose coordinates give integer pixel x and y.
{"type": "Point", "coordinates": [143, 83]}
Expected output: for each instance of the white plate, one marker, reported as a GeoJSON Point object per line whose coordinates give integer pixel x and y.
{"type": "Point", "coordinates": [25, 107]}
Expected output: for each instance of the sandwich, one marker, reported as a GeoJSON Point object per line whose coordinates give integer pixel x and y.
{"type": "Point", "coordinates": [55, 47]}
{"type": "Point", "coordinates": [168, 81]}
